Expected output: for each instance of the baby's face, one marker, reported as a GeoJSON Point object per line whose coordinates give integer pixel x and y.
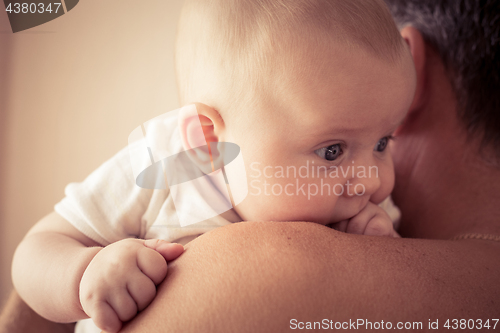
{"type": "Point", "coordinates": [318, 151]}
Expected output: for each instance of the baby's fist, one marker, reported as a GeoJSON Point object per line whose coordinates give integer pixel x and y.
{"type": "Point", "coordinates": [121, 280]}
{"type": "Point", "coordinates": [372, 220]}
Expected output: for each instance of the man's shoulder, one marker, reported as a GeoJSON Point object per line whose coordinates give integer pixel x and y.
{"type": "Point", "coordinates": [305, 239]}
{"type": "Point", "coordinates": [315, 238]}
{"type": "Point", "coordinates": [358, 269]}
{"type": "Point", "coordinates": [258, 276]}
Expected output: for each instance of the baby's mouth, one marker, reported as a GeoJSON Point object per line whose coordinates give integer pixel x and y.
{"type": "Point", "coordinates": [350, 215]}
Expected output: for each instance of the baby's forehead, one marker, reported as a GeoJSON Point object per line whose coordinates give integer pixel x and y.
{"type": "Point", "coordinates": [334, 87]}
{"type": "Point", "coordinates": [328, 67]}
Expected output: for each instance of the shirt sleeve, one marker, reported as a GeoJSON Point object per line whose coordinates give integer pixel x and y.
{"type": "Point", "coordinates": [108, 205]}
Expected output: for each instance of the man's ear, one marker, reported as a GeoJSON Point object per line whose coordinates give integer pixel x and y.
{"type": "Point", "coordinates": [198, 132]}
{"type": "Point", "coordinates": [416, 42]}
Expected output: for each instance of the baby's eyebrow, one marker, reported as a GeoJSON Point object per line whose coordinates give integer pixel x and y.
{"type": "Point", "coordinates": [341, 129]}
{"type": "Point", "coordinates": [331, 132]}
{"type": "Point", "coordinates": [346, 130]}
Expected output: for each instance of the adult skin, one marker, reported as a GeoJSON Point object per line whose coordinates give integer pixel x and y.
{"type": "Point", "coordinates": [252, 277]}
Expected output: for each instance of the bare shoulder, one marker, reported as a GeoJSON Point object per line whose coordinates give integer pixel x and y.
{"type": "Point", "coordinates": [258, 276]}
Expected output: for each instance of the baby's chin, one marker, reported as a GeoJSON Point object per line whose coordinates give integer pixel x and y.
{"type": "Point", "coordinates": [348, 209]}
{"type": "Point", "coordinates": [313, 218]}
{"type": "Point", "coordinates": [338, 212]}
{"type": "Point", "coordinates": [340, 215]}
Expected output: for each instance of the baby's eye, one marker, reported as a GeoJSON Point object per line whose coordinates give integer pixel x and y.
{"type": "Point", "coordinates": [330, 153]}
{"type": "Point", "coordinates": [382, 144]}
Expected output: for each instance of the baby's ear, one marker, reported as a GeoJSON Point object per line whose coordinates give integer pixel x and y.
{"type": "Point", "coordinates": [198, 131]}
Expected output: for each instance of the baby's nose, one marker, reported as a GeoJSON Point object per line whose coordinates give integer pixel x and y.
{"type": "Point", "coordinates": [363, 183]}
{"type": "Point", "coordinates": [367, 186]}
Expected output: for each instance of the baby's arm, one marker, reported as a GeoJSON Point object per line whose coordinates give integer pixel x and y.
{"type": "Point", "coordinates": [370, 221]}
{"type": "Point", "coordinates": [65, 276]}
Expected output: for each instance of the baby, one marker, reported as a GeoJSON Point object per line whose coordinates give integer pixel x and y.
{"type": "Point", "coordinates": [310, 90]}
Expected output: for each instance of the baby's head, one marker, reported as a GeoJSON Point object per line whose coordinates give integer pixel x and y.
{"type": "Point", "coordinates": [310, 90]}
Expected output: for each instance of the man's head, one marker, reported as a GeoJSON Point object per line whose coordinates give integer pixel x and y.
{"type": "Point", "coordinates": [466, 35]}
{"type": "Point", "coordinates": [447, 151]}
{"type": "Point", "coordinates": [316, 86]}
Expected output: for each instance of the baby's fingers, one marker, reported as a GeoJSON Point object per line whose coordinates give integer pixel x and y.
{"type": "Point", "coordinates": [152, 264]}
{"type": "Point", "coordinates": [123, 304]}
{"type": "Point", "coordinates": [142, 289]}
{"type": "Point", "coordinates": [105, 317]}
{"type": "Point", "coordinates": [169, 251]}
{"type": "Point", "coordinates": [379, 225]}
{"type": "Point", "coordinates": [358, 223]}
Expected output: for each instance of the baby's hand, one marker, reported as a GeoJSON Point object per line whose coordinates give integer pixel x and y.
{"type": "Point", "coordinates": [370, 221]}
{"type": "Point", "coordinates": [121, 280]}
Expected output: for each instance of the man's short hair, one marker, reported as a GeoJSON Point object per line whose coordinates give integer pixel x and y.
{"type": "Point", "coordinates": [466, 34]}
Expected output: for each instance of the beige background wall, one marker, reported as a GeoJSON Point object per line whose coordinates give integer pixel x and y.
{"type": "Point", "coordinates": [71, 90]}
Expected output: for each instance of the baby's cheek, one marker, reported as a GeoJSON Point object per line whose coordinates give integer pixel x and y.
{"type": "Point", "coordinates": [284, 200]}
{"type": "Point", "coordinates": [262, 205]}
{"type": "Point", "coordinates": [386, 174]}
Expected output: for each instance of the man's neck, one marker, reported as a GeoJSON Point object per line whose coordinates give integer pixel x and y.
{"type": "Point", "coordinates": [452, 198]}
{"type": "Point", "coordinates": [443, 186]}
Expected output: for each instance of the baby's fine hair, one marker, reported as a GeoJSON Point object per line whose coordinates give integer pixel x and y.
{"type": "Point", "coordinates": [228, 49]}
